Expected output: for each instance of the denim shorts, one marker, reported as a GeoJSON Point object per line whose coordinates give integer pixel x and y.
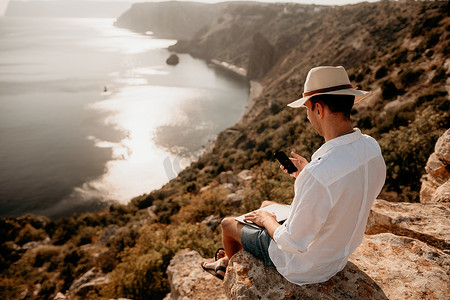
{"type": "Point", "coordinates": [257, 241]}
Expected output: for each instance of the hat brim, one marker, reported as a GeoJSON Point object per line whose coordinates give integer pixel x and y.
{"type": "Point", "coordinates": [359, 95]}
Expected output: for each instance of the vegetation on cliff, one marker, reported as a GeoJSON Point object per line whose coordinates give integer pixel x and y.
{"type": "Point", "coordinates": [399, 51]}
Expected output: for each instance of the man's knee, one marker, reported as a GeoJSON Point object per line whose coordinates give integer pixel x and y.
{"type": "Point", "coordinates": [231, 229]}
{"type": "Point", "coordinates": [228, 224]}
{"type": "Point", "coordinates": [266, 203]}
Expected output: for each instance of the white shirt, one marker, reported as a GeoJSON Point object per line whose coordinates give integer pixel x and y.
{"type": "Point", "coordinates": [333, 197]}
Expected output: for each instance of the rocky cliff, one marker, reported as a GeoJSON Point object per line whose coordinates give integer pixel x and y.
{"type": "Point", "coordinates": [174, 20]}
{"type": "Point", "coordinates": [436, 184]}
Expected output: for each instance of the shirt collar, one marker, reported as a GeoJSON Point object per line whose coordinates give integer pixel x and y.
{"type": "Point", "coordinates": [341, 140]}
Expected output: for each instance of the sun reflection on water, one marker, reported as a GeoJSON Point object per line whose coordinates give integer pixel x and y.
{"type": "Point", "coordinates": [137, 164]}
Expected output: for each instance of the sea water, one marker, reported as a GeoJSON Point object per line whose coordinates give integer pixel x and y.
{"type": "Point", "coordinates": [91, 114]}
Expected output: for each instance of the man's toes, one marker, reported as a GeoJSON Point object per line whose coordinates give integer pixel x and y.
{"type": "Point", "coordinates": [220, 254]}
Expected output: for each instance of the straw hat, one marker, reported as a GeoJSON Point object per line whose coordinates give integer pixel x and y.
{"type": "Point", "coordinates": [328, 80]}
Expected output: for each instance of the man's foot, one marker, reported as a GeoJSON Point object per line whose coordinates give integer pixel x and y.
{"type": "Point", "coordinates": [220, 253]}
{"type": "Point", "coordinates": [217, 268]}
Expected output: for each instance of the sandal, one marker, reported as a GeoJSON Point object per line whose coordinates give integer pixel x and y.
{"type": "Point", "coordinates": [214, 271]}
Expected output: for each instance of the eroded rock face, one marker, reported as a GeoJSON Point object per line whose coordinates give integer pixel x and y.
{"type": "Point", "coordinates": [436, 183]}
{"type": "Point", "coordinates": [429, 223]}
{"type": "Point", "coordinates": [248, 278]}
{"type": "Point", "coordinates": [261, 57]}
{"type": "Point", "coordinates": [404, 268]}
{"type": "Point", "coordinates": [189, 281]}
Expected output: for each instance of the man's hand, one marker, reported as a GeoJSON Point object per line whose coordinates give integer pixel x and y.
{"type": "Point", "coordinates": [264, 219]}
{"type": "Point", "coordinates": [299, 161]}
{"type": "Point", "coordinates": [260, 217]}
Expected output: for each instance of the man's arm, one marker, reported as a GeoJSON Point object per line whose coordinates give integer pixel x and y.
{"type": "Point", "coordinates": [310, 209]}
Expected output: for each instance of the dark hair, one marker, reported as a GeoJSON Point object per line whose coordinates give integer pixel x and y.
{"type": "Point", "coordinates": [336, 103]}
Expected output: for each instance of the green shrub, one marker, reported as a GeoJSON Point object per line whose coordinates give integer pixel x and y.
{"type": "Point", "coordinates": [268, 183]}
{"type": "Point", "coordinates": [29, 233]}
{"type": "Point", "coordinates": [93, 219]}
{"type": "Point", "coordinates": [141, 277]}
{"type": "Point", "coordinates": [10, 288]}
{"type": "Point", "coordinates": [406, 151]}
{"type": "Point", "coordinates": [430, 95]}
{"type": "Point", "coordinates": [400, 57]}
{"type": "Point", "coordinates": [389, 90]}
{"type": "Point", "coordinates": [201, 206]}
{"type": "Point", "coordinates": [62, 230]}
{"type": "Point", "coordinates": [440, 75]}
{"type": "Point", "coordinates": [47, 289]}
{"type": "Point", "coordinates": [73, 256]}
{"type": "Point", "coordinates": [85, 236]}
{"type": "Point", "coordinates": [125, 238]}
{"type": "Point", "coordinates": [381, 72]}
{"type": "Point", "coordinates": [433, 40]}
{"type": "Point", "coordinates": [365, 122]}
{"type": "Point", "coordinates": [46, 254]}
{"type": "Point", "coordinates": [67, 274]}
{"type": "Point", "coordinates": [410, 77]}
{"type": "Point", "coordinates": [142, 273]}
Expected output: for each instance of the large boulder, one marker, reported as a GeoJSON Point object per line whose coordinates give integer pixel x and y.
{"type": "Point", "coordinates": [429, 223]}
{"type": "Point", "coordinates": [385, 266]}
{"type": "Point", "coordinates": [247, 278]}
{"type": "Point", "coordinates": [436, 183]}
{"type": "Point", "coordinates": [404, 268]}
{"type": "Point", "coordinates": [189, 281]}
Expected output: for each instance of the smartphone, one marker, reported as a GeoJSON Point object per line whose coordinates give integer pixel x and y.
{"type": "Point", "coordinates": [285, 161]}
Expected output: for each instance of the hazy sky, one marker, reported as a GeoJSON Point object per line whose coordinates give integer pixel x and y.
{"type": "Point", "coordinates": [4, 3]}
{"type": "Point", "coordinates": [323, 2]}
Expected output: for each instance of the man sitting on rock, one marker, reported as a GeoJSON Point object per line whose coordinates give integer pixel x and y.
{"type": "Point", "coordinates": [333, 193]}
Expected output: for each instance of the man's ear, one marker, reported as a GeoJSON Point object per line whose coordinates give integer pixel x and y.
{"type": "Point", "coordinates": [320, 110]}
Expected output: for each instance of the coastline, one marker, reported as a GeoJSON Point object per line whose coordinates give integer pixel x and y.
{"type": "Point", "coordinates": [229, 67]}
{"type": "Point", "coordinates": [255, 87]}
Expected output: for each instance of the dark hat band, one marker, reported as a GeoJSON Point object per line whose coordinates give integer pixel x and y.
{"type": "Point", "coordinates": [330, 89]}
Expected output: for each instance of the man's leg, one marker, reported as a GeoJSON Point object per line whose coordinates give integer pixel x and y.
{"type": "Point", "coordinates": [231, 233]}
{"type": "Point", "coordinates": [231, 236]}
{"type": "Point", "coordinates": [231, 239]}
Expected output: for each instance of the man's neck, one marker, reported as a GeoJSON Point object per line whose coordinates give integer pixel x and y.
{"type": "Point", "coordinates": [337, 128]}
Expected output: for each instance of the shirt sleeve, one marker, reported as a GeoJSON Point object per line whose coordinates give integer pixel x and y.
{"type": "Point", "coordinates": [309, 212]}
